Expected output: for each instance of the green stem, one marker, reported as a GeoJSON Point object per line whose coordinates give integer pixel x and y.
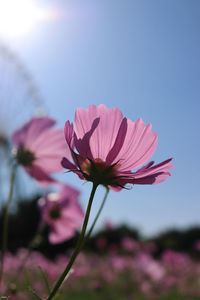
{"type": "Point", "coordinates": [44, 277]}
{"type": "Point", "coordinates": [78, 246]}
{"type": "Point", "coordinates": [5, 220]}
{"type": "Point", "coordinates": [29, 286]}
{"type": "Point", "coordinates": [97, 216]}
{"type": "Point", "coordinates": [33, 243]}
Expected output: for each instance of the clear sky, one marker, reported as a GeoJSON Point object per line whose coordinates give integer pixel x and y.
{"type": "Point", "coordinates": [144, 58]}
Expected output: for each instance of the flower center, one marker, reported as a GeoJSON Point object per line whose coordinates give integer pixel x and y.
{"type": "Point", "coordinates": [25, 157]}
{"type": "Point", "coordinates": [99, 172]}
{"type": "Point", "coordinates": [55, 213]}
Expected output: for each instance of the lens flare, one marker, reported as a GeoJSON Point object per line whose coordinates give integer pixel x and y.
{"type": "Point", "coordinates": [17, 18]}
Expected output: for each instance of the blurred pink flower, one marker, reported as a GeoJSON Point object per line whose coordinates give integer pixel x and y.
{"type": "Point", "coordinates": [197, 245]}
{"type": "Point", "coordinates": [12, 297]}
{"type": "Point", "coordinates": [62, 213]}
{"type": "Point", "coordinates": [39, 148]}
{"type": "Point", "coordinates": [113, 248]}
{"type": "Point", "coordinates": [129, 244]}
{"type": "Point", "coordinates": [175, 260]}
{"type": "Point", "coordinates": [101, 243]}
{"type": "Point", "coordinates": [108, 225]}
{"type": "Point", "coordinates": [150, 266]}
{"type": "Point", "coordinates": [108, 146]}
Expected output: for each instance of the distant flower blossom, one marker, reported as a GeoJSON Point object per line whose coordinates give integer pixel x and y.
{"type": "Point", "coordinates": [129, 244]}
{"type": "Point", "coordinates": [101, 243]}
{"type": "Point", "coordinates": [39, 148]}
{"type": "Point", "coordinates": [105, 147]}
{"type": "Point", "coordinates": [62, 213]}
{"type": "Point", "coordinates": [175, 259]}
{"type": "Point", "coordinates": [151, 267]}
{"type": "Point", "coordinates": [197, 245]}
{"type": "Point", "coordinates": [108, 225]}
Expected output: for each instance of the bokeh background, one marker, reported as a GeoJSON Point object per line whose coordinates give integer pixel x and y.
{"type": "Point", "coordinates": [141, 56]}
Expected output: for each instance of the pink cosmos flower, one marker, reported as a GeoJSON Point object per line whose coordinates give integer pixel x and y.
{"type": "Point", "coordinates": [197, 245]}
{"type": "Point", "coordinates": [62, 213]}
{"type": "Point", "coordinates": [39, 148]}
{"type": "Point", "coordinates": [105, 147]}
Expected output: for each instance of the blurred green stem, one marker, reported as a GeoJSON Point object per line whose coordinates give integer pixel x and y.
{"type": "Point", "coordinates": [78, 245]}
{"type": "Point", "coordinates": [44, 277]}
{"type": "Point", "coordinates": [97, 216]}
{"type": "Point", "coordinates": [6, 217]}
{"type": "Point", "coordinates": [35, 242]}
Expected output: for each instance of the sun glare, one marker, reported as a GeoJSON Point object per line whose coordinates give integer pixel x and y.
{"type": "Point", "coordinates": [19, 17]}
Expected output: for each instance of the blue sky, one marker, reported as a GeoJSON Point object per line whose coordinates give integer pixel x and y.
{"type": "Point", "coordinates": [144, 58]}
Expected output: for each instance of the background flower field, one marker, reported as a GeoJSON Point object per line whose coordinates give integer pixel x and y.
{"type": "Point", "coordinates": [117, 263]}
{"type": "Point", "coordinates": [134, 275]}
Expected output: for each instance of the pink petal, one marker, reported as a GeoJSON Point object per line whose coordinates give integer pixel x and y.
{"type": "Point", "coordinates": [38, 126]}
{"type": "Point", "coordinates": [60, 232]}
{"type": "Point", "coordinates": [82, 145]}
{"type": "Point", "coordinates": [115, 188]}
{"type": "Point", "coordinates": [162, 167]}
{"type": "Point", "coordinates": [59, 235]}
{"type": "Point", "coordinates": [69, 190]}
{"type": "Point", "coordinates": [152, 179]}
{"type": "Point", "coordinates": [148, 165]}
{"type": "Point", "coordinates": [49, 140]}
{"type": "Point", "coordinates": [49, 149]}
{"type": "Point", "coordinates": [73, 212]}
{"type": "Point", "coordinates": [119, 141]}
{"type": "Point", "coordinates": [70, 166]}
{"type": "Point", "coordinates": [50, 163]}
{"type": "Point", "coordinates": [160, 178]}
{"type": "Point", "coordinates": [139, 145]}
{"type": "Point", "coordinates": [72, 209]}
{"type": "Point", "coordinates": [150, 175]}
{"type": "Point", "coordinates": [104, 136]}
{"type": "Point", "coordinates": [69, 133]}
{"type": "Point", "coordinates": [19, 135]}
{"type": "Point", "coordinates": [147, 174]}
{"type": "Point", "coordinates": [31, 130]}
{"type": "Point", "coordinates": [40, 175]}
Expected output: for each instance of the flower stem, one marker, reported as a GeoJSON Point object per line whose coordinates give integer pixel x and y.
{"type": "Point", "coordinates": [97, 216]}
{"type": "Point", "coordinates": [35, 242]}
{"type": "Point", "coordinates": [78, 245]}
{"type": "Point", "coordinates": [5, 220]}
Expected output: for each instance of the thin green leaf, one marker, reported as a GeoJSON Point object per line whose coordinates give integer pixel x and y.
{"type": "Point", "coordinates": [44, 277]}
{"type": "Point", "coordinates": [29, 285]}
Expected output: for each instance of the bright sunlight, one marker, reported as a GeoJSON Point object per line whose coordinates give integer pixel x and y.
{"type": "Point", "coordinates": [18, 18]}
